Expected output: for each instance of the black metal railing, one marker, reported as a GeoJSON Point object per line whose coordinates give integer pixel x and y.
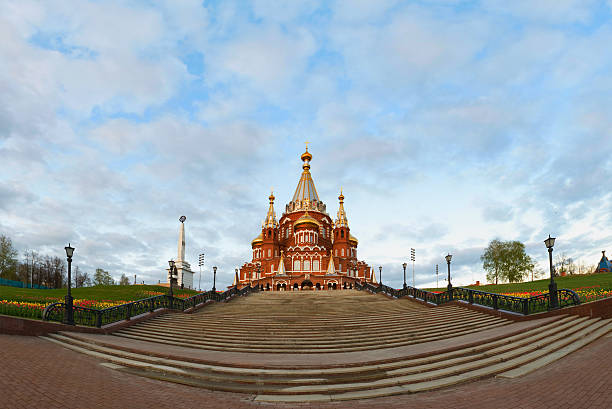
{"type": "Point", "coordinates": [519, 305]}
{"type": "Point", "coordinates": [98, 318]}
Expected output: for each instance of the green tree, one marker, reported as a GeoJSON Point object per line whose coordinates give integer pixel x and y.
{"type": "Point", "coordinates": [506, 261]}
{"type": "Point", "coordinates": [102, 277]}
{"type": "Point", "coordinates": [124, 280]}
{"type": "Point", "coordinates": [8, 258]}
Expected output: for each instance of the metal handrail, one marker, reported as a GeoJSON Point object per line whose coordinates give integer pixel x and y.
{"type": "Point", "coordinates": [98, 318]}
{"type": "Point", "coordinates": [524, 306]}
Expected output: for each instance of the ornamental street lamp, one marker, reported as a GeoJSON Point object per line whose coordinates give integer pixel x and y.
{"type": "Point", "coordinates": [68, 299]}
{"type": "Point", "coordinates": [404, 265]}
{"type": "Point", "coordinates": [214, 279]}
{"type": "Point", "coordinates": [172, 272]}
{"type": "Point", "coordinates": [236, 279]}
{"type": "Point", "coordinates": [450, 286]}
{"type": "Point", "coordinates": [552, 287]}
{"type": "Point", "coordinates": [258, 272]}
{"type": "Point", "coordinates": [380, 275]}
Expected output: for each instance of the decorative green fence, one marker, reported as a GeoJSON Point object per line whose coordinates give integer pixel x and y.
{"type": "Point", "coordinates": [98, 318]}
{"type": "Point", "coordinates": [519, 305]}
{"type": "Point", "coordinates": [21, 284]}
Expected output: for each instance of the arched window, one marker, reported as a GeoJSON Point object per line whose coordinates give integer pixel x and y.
{"type": "Point", "coordinates": [342, 252]}
{"type": "Point", "coordinates": [306, 265]}
{"type": "Point", "coordinates": [315, 265]}
{"type": "Point", "coordinates": [296, 265]}
{"type": "Point", "coordinates": [336, 252]}
{"type": "Point", "coordinates": [341, 233]}
{"type": "Point", "coordinates": [269, 253]}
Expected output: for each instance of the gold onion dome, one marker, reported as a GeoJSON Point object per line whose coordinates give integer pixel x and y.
{"type": "Point", "coordinates": [258, 239]}
{"type": "Point", "coordinates": [306, 156]}
{"type": "Point", "coordinates": [353, 239]}
{"type": "Point", "coordinates": [306, 219]}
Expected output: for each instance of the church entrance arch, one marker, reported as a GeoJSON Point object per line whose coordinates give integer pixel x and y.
{"type": "Point", "coordinates": [284, 286]}
{"type": "Point", "coordinates": [278, 287]}
{"type": "Point", "coordinates": [306, 285]}
{"type": "Point", "coordinates": [318, 286]}
{"type": "Point", "coordinates": [295, 286]}
{"type": "Point", "coordinates": [334, 286]}
{"type": "Point", "coordinates": [268, 287]}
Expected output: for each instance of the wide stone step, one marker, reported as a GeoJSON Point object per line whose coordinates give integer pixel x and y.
{"type": "Point", "coordinates": [284, 385]}
{"type": "Point", "coordinates": [315, 335]}
{"type": "Point", "coordinates": [364, 371]}
{"type": "Point", "coordinates": [298, 323]}
{"type": "Point", "coordinates": [312, 349]}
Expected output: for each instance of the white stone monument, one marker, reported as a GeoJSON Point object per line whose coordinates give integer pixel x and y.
{"type": "Point", "coordinates": [184, 273]}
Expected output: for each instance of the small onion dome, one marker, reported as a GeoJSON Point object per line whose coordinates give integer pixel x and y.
{"type": "Point", "coordinates": [353, 239]}
{"type": "Point", "coordinates": [306, 219]}
{"type": "Point", "coordinates": [306, 156]}
{"type": "Point", "coordinates": [258, 239]}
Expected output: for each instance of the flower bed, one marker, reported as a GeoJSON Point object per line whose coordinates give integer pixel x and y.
{"type": "Point", "coordinates": [586, 294]}
{"type": "Point", "coordinates": [30, 303]}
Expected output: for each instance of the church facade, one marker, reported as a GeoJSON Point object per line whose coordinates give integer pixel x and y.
{"type": "Point", "coordinates": [305, 249]}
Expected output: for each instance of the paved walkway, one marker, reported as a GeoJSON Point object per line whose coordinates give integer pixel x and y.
{"type": "Point", "coordinates": [35, 373]}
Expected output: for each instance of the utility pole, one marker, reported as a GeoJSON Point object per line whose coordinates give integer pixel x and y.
{"type": "Point", "coordinates": [412, 258]}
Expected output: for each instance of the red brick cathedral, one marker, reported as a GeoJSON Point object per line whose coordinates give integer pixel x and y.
{"type": "Point", "coordinates": [305, 249]}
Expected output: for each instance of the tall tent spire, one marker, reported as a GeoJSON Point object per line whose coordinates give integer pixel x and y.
{"type": "Point", "coordinates": [331, 268]}
{"type": "Point", "coordinates": [270, 220]}
{"type": "Point", "coordinates": [342, 220]}
{"type": "Point", "coordinates": [305, 196]}
{"type": "Point", "coordinates": [281, 265]}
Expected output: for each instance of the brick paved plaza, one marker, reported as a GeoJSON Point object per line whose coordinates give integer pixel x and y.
{"type": "Point", "coordinates": [39, 374]}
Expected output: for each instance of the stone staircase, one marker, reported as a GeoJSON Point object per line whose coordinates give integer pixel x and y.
{"type": "Point", "coordinates": [328, 346]}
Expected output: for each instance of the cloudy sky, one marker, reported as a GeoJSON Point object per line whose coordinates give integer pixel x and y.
{"type": "Point", "coordinates": [447, 123]}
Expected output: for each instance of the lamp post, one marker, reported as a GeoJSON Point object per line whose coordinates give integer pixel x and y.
{"type": "Point", "coordinates": [200, 263]}
{"type": "Point", "coordinates": [380, 275]}
{"type": "Point", "coordinates": [68, 299]}
{"type": "Point", "coordinates": [214, 279]}
{"type": "Point", "coordinates": [450, 286]}
{"type": "Point", "coordinates": [236, 279]}
{"type": "Point", "coordinates": [171, 271]}
{"type": "Point", "coordinates": [258, 272]}
{"type": "Point", "coordinates": [404, 265]}
{"type": "Point", "coordinates": [552, 287]}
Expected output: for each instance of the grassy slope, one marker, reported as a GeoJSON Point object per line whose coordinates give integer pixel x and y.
{"type": "Point", "coordinates": [603, 280]}
{"type": "Point", "coordinates": [114, 292]}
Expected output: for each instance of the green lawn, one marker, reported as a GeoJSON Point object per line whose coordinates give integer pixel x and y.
{"type": "Point", "coordinates": [28, 302]}
{"type": "Point", "coordinates": [111, 292]}
{"type": "Point", "coordinates": [589, 287]}
{"type": "Point", "coordinates": [604, 280]}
